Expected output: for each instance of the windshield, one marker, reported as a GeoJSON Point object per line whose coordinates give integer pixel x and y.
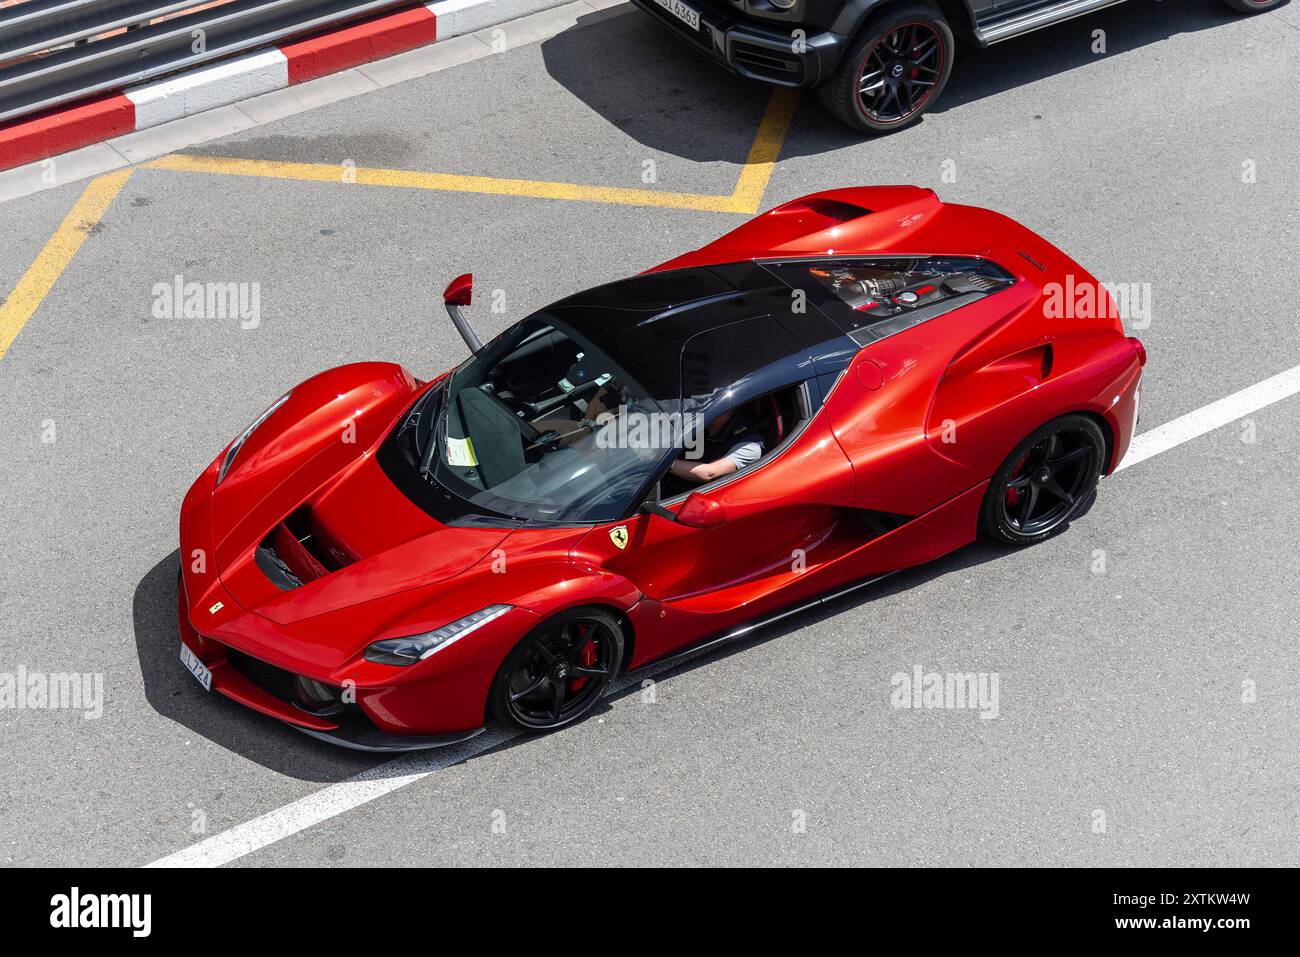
{"type": "Point", "coordinates": [539, 425]}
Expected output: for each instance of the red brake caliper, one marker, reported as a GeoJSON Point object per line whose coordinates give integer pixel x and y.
{"type": "Point", "coordinates": [1013, 494]}
{"type": "Point", "coordinates": [588, 658]}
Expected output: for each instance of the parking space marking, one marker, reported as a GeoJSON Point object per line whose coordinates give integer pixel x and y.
{"type": "Point", "coordinates": [335, 799]}
{"type": "Point", "coordinates": [45, 271]}
{"type": "Point", "coordinates": [450, 182]}
{"type": "Point", "coordinates": [744, 199]}
{"type": "Point", "coordinates": [40, 277]}
{"type": "Point", "coordinates": [763, 154]}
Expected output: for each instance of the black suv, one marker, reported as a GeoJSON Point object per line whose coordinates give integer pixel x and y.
{"type": "Point", "coordinates": [877, 64]}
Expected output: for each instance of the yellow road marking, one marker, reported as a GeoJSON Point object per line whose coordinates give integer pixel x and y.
{"type": "Point", "coordinates": [752, 183]}
{"type": "Point", "coordinates": [58, 252]}
{"type": "Point", "coordinates": [451, 182]}
{"type": "Point", "coordinates": [760, 163]}
{"type": "Point", "coordinates": [86, 214]}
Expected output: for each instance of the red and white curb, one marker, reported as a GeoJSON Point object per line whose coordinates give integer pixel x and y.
{"type": "Point", "coordinates": [229, 81]}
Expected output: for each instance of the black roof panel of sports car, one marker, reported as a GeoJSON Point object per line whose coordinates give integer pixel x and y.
{"type": "Point", "coordinates": [695, 332]}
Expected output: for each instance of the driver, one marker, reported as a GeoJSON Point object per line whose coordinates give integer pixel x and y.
{"type": "Point", "coordinates": [729, 445]}
{"type": "Point", "coordinates": [568, 431]}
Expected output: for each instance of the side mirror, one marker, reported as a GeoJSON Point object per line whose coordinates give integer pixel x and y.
{"type": "Point", "coordinates": [698, 511]}
{"type": "Point", "coordinates": [459, 291]}
{"type": "Point", "coordinates": [456, 296]}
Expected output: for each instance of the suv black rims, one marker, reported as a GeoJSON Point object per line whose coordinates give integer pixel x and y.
{"type": "Point", "coordinates": [900, 72]}
{"type": "Point", "coordinates": [893, 71]}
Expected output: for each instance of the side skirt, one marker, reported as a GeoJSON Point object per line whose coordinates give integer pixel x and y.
{"type": "Point", "coordinates": [745, 629]}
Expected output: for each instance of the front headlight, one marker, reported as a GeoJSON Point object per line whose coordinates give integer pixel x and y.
{"type": "Point", "coordinates": [407, 651]}
{"type": "Point", "coordinates": [236, 445]}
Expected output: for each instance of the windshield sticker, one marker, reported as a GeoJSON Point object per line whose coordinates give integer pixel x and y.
{"type": "Point", "coordinates": [461, 452]}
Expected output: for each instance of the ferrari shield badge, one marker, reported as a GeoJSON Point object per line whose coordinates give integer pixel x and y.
{"type": "Point", "coordinates": [618, 536]}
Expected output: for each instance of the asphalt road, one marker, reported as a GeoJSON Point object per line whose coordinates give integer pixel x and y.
{"type": "Point", "coordinates": [1122, 646]}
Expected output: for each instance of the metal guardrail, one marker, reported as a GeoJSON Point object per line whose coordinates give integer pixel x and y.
{"type": "Point", "coordinates": [67, 55]}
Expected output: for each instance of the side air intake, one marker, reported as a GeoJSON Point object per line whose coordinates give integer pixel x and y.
{"type": "Point", "coordinates": [296, 552]}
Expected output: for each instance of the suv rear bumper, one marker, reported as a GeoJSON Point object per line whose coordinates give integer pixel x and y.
{"type": "Point", "coordinates": [757, 52]}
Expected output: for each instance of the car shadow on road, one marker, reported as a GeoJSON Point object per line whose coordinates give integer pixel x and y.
{"type": "Point", "coordinates": [675, 100]}
{"type": "Point", "coordinates": [980, 73]}
{"type": "Point", "coordinates": [655, 89]}
{"type": "Point", "coordinates": [174, 694]}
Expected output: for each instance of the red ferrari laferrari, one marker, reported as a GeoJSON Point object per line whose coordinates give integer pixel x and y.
{"type": "Point", "coordinates": [850, 384]}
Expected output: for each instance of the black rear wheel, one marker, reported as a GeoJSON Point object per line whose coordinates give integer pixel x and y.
{"type": "Point", "coordinates": [1045, 482]}
{"type": "Point", "coordinates": [894, 69]}
{"type": "Point", "coordinates": [558, 672]}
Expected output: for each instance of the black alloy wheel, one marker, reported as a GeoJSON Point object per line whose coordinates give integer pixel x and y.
{"type": "Point", "coordinates": [893, 71]}
{"type": "Point", "coordinates": [558, 672]}
{"type": "Point", "coordinates": [1045, 482]}
{"type": "Point", "coordinates": [900, 72]}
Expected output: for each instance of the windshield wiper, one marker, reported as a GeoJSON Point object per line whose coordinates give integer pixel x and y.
{"type": "Point", "coordinates": [435, 439]}
{"type": "Point", "coordinates": [411, 428]}
{"type": "Point", "coordinates": [408, 434]}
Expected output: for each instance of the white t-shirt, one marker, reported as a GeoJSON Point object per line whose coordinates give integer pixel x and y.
{"type": "Point", "coordinates": [745, 453]}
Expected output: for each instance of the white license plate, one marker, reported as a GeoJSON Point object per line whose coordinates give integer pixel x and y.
{"type": "Point", "coordinates": [688, 15]}
{"type": "Point", "coordinates": [197, 668]}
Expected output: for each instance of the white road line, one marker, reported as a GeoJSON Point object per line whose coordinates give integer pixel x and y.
{"type": "Point", "coordinates": [335, 799]}
{"type": "Point", "coordinates": [1210, 417]}
{"type": "Point", "coordinates": [327, 803]}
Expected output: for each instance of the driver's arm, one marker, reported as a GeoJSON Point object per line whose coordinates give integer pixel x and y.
{"type": "Point", "coordinates": [702, 471]}
{"type": "Point", "coordinates": [739, 456]}
{"type": "Point", "coordinates": [596, 405]}
{"type": "Point", "coordinates": [572, 429]}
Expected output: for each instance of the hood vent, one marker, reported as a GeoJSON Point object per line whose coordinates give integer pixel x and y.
{"type": "Point", "coordinates": [297, 551]}
{"type": "Point", "coordinates": [824, 213]}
